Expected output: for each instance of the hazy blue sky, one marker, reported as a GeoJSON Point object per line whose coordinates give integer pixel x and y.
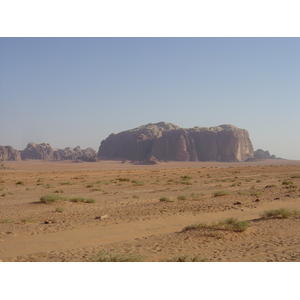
{"type": "Point", "coordinates": [76, 91]}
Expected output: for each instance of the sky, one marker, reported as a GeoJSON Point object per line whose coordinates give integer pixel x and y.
{"type": "Point", "coordinates": [77, 91]}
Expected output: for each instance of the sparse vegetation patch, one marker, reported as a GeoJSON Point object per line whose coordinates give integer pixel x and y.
{"type": "Point", "coordinates": [230, 224]}
{"type": "Point", "coordinates": [102, 256]}
{"type": "Point", "coordinates": [279, 213]}
{"type": "Point", "coordinates": [221, 193]}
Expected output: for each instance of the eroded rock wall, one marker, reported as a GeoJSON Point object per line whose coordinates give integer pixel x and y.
{"type": "Point", "coordinates": [167, 141]}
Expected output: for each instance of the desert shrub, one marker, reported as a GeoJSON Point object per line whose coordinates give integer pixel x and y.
{"type": "Point", "coordinates": [59, 209]}
{"type": "Point", "coordinates": [76, 199]}
{"type": "Point", "coordinates": [20, 182]}
{"type": "Point", "coordinates": [278, 213]}
{"type": "Point", "coordinates": [123, 179]}
{"type": "Point", "coordinates": [7, 220]}
{"type": "Point", "coordinates": [295, 176]}
{"type": "Point", "coordinates": [241, 193]}
{"type": "Point", "coordinates": [230, 224]}
{"type": "Point", "coordinates": [116, 257]}
{"type": "Point", "coordinates": [287, 182]}
{"type": "Point", "coordinates": [256, 194]}
{"type": "Point", "coordinates": [291, 187]}
{"type": "Point", "coordinates": [197, 196]}
{"type": "Point", "coordinates": [49, 199]}
{"type": "Point", "coordinates": [90, 200]}
{"type": "Point", "coordinates": [96, 190]}
{"type": "Point", "coordinates": [186, 258]}
{"type": "Point", "coordinates": [28, 220]}
{"type": "Point", "coordinates": [221, 193]}
{"type": "Point", "coordinates": [165, 199]}
{"type": "Point", "coordinates": [234, 224]}
{"type": "Point", "coordinates": [81, 200]}
{"type": "Point", "coordinates": [66, 183]}
{"type": "Point", "coordinates": [135, 196]}
{"type": "Point", "coordinates": [48, 186]}
{"type": "Point", "coordinates": [195, 226]}
{"type": "Point", "coordinates": [60, 191]}
{"type": "Point", "coordinates": [139, 183]}
{"type": "Point", "coordinates": [186, 177]}
{"type": "Point", "coordinates": [6, 194]}
{"type": "Point", "coordinates": [89, 185]}
{"type": "Point", "coordinates": [182, 197]}
{"type": "Point", "coordinates": [79, 177]}
{"type": "Point", "coordinates": [270, 186]}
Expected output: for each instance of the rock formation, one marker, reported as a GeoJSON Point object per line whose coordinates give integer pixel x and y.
{"type": "Point", "coordinates": [167, 141]}
{"type": "Point", "coordinates": [135, 144]}
{"type": "Point", "coordinates": [47, 152]}
{"type": "Point", "coordinates": [9, 153]}
{"type": "Point", "coordinates": [261, 154]}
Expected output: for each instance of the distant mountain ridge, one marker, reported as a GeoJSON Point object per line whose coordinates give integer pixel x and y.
{"type": "Point", "coordinates": [47, 152]}
{"type": "Point", "coordinates": [154, 142]}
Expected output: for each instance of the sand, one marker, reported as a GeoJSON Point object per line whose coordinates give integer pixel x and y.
{"type": "Point", "coordinates": [137, 211]}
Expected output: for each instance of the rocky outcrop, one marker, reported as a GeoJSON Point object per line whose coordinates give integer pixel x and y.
{"type": "Point", "coordinates": [39, 151]}
{"type": "Point", "coordinates": [167, 141]}
{"type": "Point", "coordinates": [150, 161]}
{"type": "Point", "coordinates": [9, 153]}
{"type": "Point", "coordinates": [261, 154]}
{"type": "Point", "coordinates": [47, 152]}
{"type": "Point", "coordinates": [135, 144]}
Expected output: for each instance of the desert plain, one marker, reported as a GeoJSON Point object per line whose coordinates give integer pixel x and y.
{"type": "Point", "coordinates": [61, 211]}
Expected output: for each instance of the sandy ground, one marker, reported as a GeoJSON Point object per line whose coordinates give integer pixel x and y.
{"type": "Point", "coordinates": [129, 215]}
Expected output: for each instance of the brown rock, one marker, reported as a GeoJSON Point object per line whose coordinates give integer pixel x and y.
{"type": "Point", "coordinates": [9, 153]}
{"type": "Point", "coordinates": [135, 144]}
{"type": "Point", "coordinates": [38, 151]}
{"type": "Point", "coordinates": [261, 154]}
{"type": "Point", "coordinates": [47, 152]}
{"type": "Point", "coordinates": [175, 145]}
{"type": "Point", "coordinates": [167, 141]}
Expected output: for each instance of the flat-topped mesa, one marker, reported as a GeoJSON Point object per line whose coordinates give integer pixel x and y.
{"type": "Point", "coordinates": [167, 141]}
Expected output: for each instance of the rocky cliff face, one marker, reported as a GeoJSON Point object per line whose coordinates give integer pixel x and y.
{"type": "Point", "coordinates": [134, 144]}
{"type": "Point", "coordinates": [47, 152]}
{"type": "Point", "coordinates": [9, 153]}
{"type": "Point", "coordinates": [167, 141]}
